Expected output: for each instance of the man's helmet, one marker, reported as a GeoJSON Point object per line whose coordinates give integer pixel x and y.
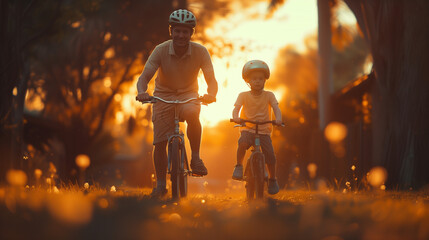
{"type": "Point", "coordinates": [182, 17]}
{"type": "Point", "coordinates": [255, 65]}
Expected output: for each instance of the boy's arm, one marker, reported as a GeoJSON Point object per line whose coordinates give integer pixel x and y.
{"type": "Point", "coordinates": [277, 113]}
{"type": "Point", "coordinates": [235, 113]}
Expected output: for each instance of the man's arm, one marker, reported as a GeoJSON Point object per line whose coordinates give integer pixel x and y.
{"type": "Point", "coordinates": [211, 83]}
{"type": "Point", "coordinates": [149, 70]}
{"type": "Point", "coordinates": [144, 79]}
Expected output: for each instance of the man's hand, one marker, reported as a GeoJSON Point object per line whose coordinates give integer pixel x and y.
{"type": "Point", "coordinates": [207, 98]}
{"type": "Point", "coordinates": [278, 122]}
{"type": "Point", "coordinates": [141, 97]}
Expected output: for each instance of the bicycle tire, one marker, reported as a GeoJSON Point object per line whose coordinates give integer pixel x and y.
{"type": "Point", "coordinates": [175, 167]}
{"type": "Point", "coordinates": [259, 174]}
{"type": "Point", "coordinates": [250, 181]}
{"type": "Point", "coordinates": [183, 179]}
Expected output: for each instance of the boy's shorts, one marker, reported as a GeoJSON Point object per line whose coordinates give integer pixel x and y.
{"type": "Point", "coordinates": [163, 118]}
{"type": "Point", "coordinates": [247, 139]}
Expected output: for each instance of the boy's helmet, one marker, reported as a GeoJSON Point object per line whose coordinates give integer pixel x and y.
{"type": "Point", "coordinates": [182, 17]}
{"type": "Point", "coordinates": [255, 65]}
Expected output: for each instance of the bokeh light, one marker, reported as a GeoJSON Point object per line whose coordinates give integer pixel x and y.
{"type": "Point", "coordinates": [16, 178]}
{"type": "Point", "coordinates": [83, 161]}
{"type": "Point", "coordinates": [335, 132]}
{"type": "Point", "coordinates": [377, 176]}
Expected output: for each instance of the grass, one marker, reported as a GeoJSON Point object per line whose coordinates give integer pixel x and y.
{"type": "Point", "coordinates": [74, 212]}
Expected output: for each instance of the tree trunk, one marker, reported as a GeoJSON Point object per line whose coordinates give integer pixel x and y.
{"type": "Point", "coordinates": [398, 32]}
{"type": "Point", "coordinates": [324, 62]}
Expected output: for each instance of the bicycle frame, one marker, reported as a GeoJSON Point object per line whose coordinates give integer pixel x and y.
{"type": "Point", "coordinates": [255, 182]}
{"type": "Point", "coordinates": [183, 168]}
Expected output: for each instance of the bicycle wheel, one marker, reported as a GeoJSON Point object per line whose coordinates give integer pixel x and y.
{"type": "Point", "coordinates": [250, 181]}
{"type": "Point", "coordinates": [183, 179]}
{"type": "Point", "coordinates": [175, 167]}
{"type": "Point", "coordinates": [259, 174]}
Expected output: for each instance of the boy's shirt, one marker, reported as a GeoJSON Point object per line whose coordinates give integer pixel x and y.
{"type": "Point", "coordinates": [256, 108]}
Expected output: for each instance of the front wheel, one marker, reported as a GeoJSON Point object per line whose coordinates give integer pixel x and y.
{"type": "Point", "coordinates": [174, 151]}
{"type": "Point", "coordinates": [259, 174]}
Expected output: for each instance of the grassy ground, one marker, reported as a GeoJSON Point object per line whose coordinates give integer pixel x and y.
{"type": "Point", "coordinates": [95, 213]}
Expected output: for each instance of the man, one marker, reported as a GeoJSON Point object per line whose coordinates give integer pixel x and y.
{"type": "Point", "coordinates": [178, 62]}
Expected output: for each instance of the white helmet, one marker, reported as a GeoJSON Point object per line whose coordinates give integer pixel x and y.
{"type": "Point", "coordinates": [254, 65]}
{"type": "Point", "coordinates": [182, 17]}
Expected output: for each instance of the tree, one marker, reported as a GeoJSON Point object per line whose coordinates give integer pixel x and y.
{"type": "Point", "coordinates": [22, 25]}
{"type": "Point", "coordinates": [102, 45]}
{"type": "Point", "coordinates": [397, 33]}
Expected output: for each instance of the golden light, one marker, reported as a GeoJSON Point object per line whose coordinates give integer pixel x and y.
{"type": "Point", "coordinates": [247, 33]}
{"type": "Point", "coordinates": [109, 53]}
{"type": "Point", "coordinates": [86, 185]}
{"type": "Point", "coordinates": [75, 24]}
{"type": "Point", "coordinates": [16, 178]}
{"type": "Point", "coordinates": [312, 169]}
{"type": "Point", "coordinates": [112, 189]}
{"type": "Point", "coordinates": [335, 132]}
{"type": "Point", "coordinates": [107, 82]}
{"type": "Point", "coordinates": [377, 176]}
{"type": "Point", "coordinates": [37, 173]}
{"type": "Point", "coordinates": [71, 208]}
{"type": "Point", "coordinates": [82, 161]}
{"type": "Point", "coordinates": [174, 217]}
{"type": "Point", "coordinates": [103, 203]}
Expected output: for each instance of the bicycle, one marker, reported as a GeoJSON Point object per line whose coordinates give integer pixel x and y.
{"type": "Point", "coordinates": [178, 166]}
{"type": "Point", "coordinates": [255, 173]}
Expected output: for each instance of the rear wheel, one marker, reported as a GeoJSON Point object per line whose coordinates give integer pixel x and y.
{"type": "Point", "coordinates": [175, 167]}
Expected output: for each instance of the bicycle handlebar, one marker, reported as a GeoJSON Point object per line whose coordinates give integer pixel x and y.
{"type": "Point", "coordinates": [244, 121]}
{"type": "Point", "coordinates": [154, 99]}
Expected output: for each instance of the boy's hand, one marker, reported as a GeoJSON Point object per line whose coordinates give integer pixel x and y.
{"type": "Point", "coordinates": [141, 97]}
{"type": "Point", "coordinates": [278, 122]}
{"type": "Point", "coordinates": [207, 98]}
{"type": "Point", "coordinates": [237, 120]}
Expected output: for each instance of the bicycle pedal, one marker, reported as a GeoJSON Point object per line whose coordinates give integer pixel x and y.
{"type": "Point", "coordinates": [196, 175]}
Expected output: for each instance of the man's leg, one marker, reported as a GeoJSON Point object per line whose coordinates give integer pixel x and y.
{"type": "Point", "coordinates": [191, 114]}
{"type": "Point", "coordinates": [192, 117]}
{"type": "Point", "coordinates": [160, 162]}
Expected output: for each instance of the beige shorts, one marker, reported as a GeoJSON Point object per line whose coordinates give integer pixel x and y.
{"type": "Point", "coordinates": [163, 118]}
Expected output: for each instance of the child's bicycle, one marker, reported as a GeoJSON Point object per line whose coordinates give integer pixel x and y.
{"type": "Point", "coordinates": [255, 173]}
{"type": "Point", "coordinates": [178, 166]}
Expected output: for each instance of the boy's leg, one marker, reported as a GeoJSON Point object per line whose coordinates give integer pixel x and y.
{"type": "Point", "coordinates": [244, 142]}
{"type": "Point", "coordinates": [270, 159]}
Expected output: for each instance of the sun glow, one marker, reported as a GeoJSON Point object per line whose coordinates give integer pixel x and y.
{"type": "Point", "coordinates": [249, 34]}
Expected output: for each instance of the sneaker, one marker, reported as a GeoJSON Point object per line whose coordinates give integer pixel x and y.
{"type": "Point", "coordinates": [273, 186]}
{"type": "Point", "coordinates": [238, 172]}
{"type": "Point", "coordinates": [198, 168]}
{"type": "Point", "coordinates": [158, 192]}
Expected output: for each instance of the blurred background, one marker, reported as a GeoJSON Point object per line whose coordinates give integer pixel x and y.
{"type": "Point", "coordinates": [352, 89]}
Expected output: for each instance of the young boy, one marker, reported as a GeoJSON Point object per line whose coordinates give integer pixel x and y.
{"type": "Point", "coordinates": [256, 105]}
